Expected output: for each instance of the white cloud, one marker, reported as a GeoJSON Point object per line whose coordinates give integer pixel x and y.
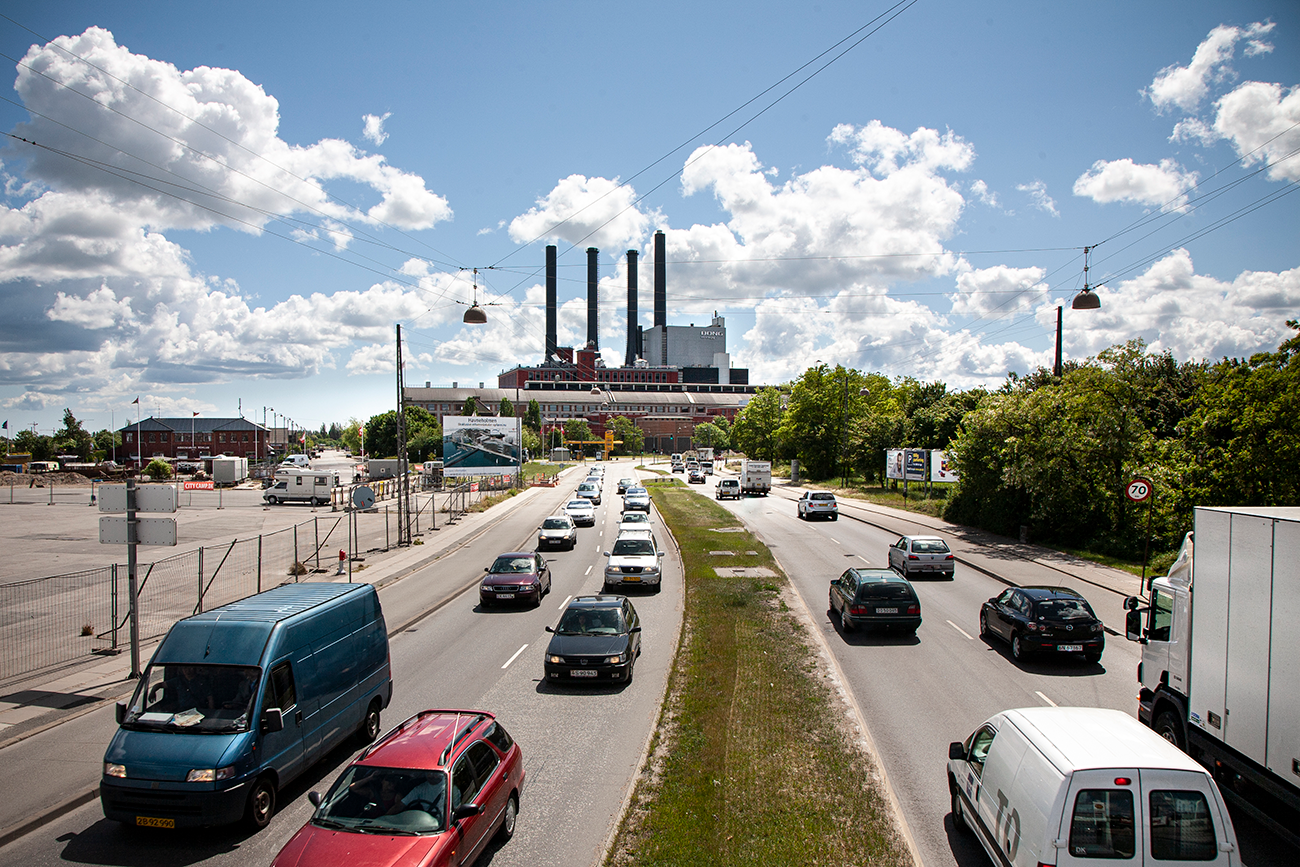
{"type": "Point", "coordinates": [980, 190]}
{"type": "Point", "coordinates": [373, 127]}
{"type": "Point", "coordinates": [593, 212]}
{"type": "Point", "coordinates": [1261, 121]}
{"type": "Point", "coordinates": [1038, 197]}
{"type": "Point", "coordinates": [999, 291]}
{"type": "Point", "coordinates": [1185, 86]}
{"type": "Point", "coordinates": [1123, 180]}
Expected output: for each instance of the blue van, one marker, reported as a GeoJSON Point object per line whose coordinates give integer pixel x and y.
{"type": "Point", "coordinates": [238, 701]}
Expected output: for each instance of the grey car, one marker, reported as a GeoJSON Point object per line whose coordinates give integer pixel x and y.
{"type": "Point", "coordinates": [636, 499]}
{"type": "Point", "coordinates": [922, 555]}
{"type": "Point", "coordinates": [557, 531]}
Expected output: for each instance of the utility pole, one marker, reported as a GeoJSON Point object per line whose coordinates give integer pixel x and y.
{"type": "Point", "coordinates": [404, 487]}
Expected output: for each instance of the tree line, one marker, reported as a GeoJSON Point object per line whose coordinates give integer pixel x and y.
{"type": "Point", "coordinates": [1055, 454]}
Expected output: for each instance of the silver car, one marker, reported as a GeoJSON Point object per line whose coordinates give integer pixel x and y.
{"type": "Point", "coordinates": [636, 499]}
{"type": "Point", "coordinates": [582, 512]}
{"type": "Point", "coordinates": [922, 555]}
{"type": "Point", "coordinates": [589, 491]}
{"type": "Point", "coordinates": [557, 531]}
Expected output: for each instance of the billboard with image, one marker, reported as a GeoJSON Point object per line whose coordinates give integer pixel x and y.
{"type": "Point", "coordinates": [480, 445]}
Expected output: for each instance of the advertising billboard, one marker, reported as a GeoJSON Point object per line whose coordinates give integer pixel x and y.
{"type": "Point", "coordinates": [940, 469]}
{"type": "Point", "coordinates": [894, 464]}
{"type": "Point", "coordinates": [480, 445]}
{"type": "Point", "coordinates": [915, 468]}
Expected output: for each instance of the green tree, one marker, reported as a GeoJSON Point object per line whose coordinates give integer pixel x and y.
{"type": "Point", "coordinates": [625, 429]}
{"type": "Point", "coordinates": [711, 435]}
{"type": "Point", "coordinates": [533, 416]}
{"type": "Point", "coordinates": [756, 431]}
{"type": "Point", "coordinates": [108, 442]}
{"type": "Point", "coordinates": [578, 429]}
{"type": "Point", "coordinates": [824, 405]}
{"type": "Point", "coordinates": [39, 446]}
{"type": "Point", "coordinates": [470, 407]}
{"type": "Point", "coordinates": [507, 408]}
{"type": "Point", "coordinates": [72, 438]}
{"type": "Point", "coordinates": [350, 436]}
{"type": "Point", "coordinates": [158, 469]}
{"type": "Point", "coordinates": [423, 435]}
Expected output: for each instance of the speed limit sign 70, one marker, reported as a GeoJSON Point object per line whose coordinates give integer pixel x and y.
{"type": "Point", "coordinates": [1138, 490]}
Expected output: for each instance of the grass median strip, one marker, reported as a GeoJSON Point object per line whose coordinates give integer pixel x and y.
{"type": "Point", "coordinates": [753, 761]}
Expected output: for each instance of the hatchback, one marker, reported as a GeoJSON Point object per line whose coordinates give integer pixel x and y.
{"type": "Point", "coordinates": [518, 576]}
{"type": "Point", "coordinates": [727, 488]}
{"type": "Point", "coordinates": [589, 491]}
{"type": "Point", "coordinates": [624, 484]}
{"type": "Point", "coordinates": [557, 531]}
{"type": "Point", "coordinates": [695, 476]}
{"type": "Point", "coordinates": [817, 504]}
{"type": "Point", "coordinates": [434, 791]}
{"type": "Point", "coordinates": [1051, 620]}
{"type": "Point", "coordinates": [598, 638]}
{"type": "Point", "coordinates": [582, 512]}
{"type": "Point", "coordinates": [922, 555]}
{"type": "Point", "coordinates": [874, 597]}
{"type": "Point", "coordinates": [637, 499]}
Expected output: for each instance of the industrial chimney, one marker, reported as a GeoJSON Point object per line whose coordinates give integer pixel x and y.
{"type": "Point", "coordinates": [592, 330]}
{"type": "Point", "coordinates": [633, 344]}
{"type": "Point", "coordinates": [661, 295]}
{"type": "Point", "coordinates": [552, 341]}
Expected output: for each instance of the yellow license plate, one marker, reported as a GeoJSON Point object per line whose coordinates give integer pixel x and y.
{"type": "Point", "coordinates": [151, 822]}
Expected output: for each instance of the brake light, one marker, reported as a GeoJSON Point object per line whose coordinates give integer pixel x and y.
{"type": "Point", "coordinates": [914, 609]}
{"type": "Point", "coordinates": [949, 557]}
{"type": "Point", "coordinates": [913, 557]}
{"type": "Point", "coordinates": [857, 610]}
{"type": "Point", "coordinates": [1123, 781]}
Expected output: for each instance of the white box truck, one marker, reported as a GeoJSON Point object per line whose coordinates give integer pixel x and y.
{"type": "Point", "coordinates": [1220, 670]}
{"type": "Point", "coordinates": [302, 486]}
{"type": "Point", "coordinates": [229, 471]}
{"type": "Point", "coordinates": [755, 477]}
{"type": "Point", "coordinates": [383, 469]}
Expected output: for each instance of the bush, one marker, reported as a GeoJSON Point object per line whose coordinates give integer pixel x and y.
{"type": "Point", "coordinates": [158, 469]}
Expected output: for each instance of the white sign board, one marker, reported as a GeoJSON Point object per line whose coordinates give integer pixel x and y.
{"type": "Point", "coordinates": [894, 464]}
{"type": "Point", "coordinates": [148, 531]}
{"type": "Point", "coordinates": [148, 498]}
{"type": "Point", "coordinates": [940, 468]}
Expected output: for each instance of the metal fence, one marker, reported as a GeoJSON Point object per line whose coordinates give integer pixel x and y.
{"type": "Point", "coordinates": [49, 622]}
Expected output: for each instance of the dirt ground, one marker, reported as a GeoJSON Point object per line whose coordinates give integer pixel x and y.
{"type": "Point", "coordinates": [40, 480]}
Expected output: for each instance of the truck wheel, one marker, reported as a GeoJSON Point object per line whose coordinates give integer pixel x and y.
{"type": "Point", "coordinates": [958, 817]}
{"type": "Point", "coordinates": [261, 804]}
{"type": "Point", "coordinates": [1168, 727]}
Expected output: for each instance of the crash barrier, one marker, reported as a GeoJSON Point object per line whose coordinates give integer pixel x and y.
{"type": "Point", "coordinates": [53, 621]}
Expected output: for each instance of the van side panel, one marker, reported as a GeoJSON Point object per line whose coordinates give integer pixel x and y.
{"type": "Point", "coordinates": [1250, 597]}
{"type": "Point", "coordinates": [994, 811]}
{"type": "Point", "coordinates": [1283, 698]}
{"type": "Point", "coordinates": [336, 672]}
{"type": "Point", "coordinates": [1033, 810]}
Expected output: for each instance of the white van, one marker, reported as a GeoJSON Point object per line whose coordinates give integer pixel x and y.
{"type": "Point", "coordinates": [1075, 786]}
{"type": "Point", "coordinates": [296, 460]}
{"type": "Point", "coordinates": [307, 486]}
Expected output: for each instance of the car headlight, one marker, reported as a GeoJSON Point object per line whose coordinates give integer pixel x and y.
{"type": "Point", "coordinates": [651, 570]}
{"type": "Point", "coordinates": [112, 770]}
{"type": "Point", "coordinates": [210, 775]}
{"type": "Point", "coordinates": [613, 570]}
{"type": "Point", "coordinates": [615, 660]}
{"type": "Point", "coordinates": [558, 660]}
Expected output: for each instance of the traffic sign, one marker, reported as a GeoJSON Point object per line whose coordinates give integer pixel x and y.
{"type": "Point", "coordinates": [148, 498]}
{"type": "Point", "coordinates": [1139, 490]}
{"type": "Point", "coordinates": [363, 497]}
{"type": "Point", "coordinates": [148, 531]}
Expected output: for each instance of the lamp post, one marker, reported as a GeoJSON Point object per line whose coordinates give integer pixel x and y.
{"type": "Point", "coordinates": [1085, 300]}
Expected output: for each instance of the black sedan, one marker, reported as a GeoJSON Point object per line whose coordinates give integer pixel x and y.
{"type": "Point", "coordinates": [599, 638]}
{"type": "Point", "coordinates": [874, 597]}
{"type": "Point", "coordinates": [1051, 620]}
{"type": "Point", "coordinates": [516, 576]}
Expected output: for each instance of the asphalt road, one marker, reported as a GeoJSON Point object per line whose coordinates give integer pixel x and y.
{"type": "Point", "coordinates": [581, 747]}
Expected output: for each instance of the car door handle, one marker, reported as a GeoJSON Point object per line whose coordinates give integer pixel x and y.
{"type": "Point", "coordinates": [297, 717]}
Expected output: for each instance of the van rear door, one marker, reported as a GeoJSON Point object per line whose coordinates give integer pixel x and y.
{"type": "Point", "coordinates": [1187, 822]}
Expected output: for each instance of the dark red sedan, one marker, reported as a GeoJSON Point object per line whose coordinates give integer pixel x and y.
{"type": "Point", "coordinates": [434, 791]}
{"type": "Point", "coordinates": [516, 576]}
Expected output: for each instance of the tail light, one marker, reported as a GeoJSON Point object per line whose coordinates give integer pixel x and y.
{"type": "Point", "coordinates": [857, 610]}
{"type": "Point", "coordinates": [949, 557]}
{"type": "Point", "coordinates": [914, 609]}
{"type": "Point", "coordinates": [913, 557]}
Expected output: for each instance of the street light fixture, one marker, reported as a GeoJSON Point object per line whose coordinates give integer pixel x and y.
{"type": "Point", "coordinates": [1086, 299]}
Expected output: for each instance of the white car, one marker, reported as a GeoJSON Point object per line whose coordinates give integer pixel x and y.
{"type": "Point", "coordinates": [633, 562]}
{"type": "Point", "coordinates": [581, 511]}
{"type": "Point", "coordinates": [634, 521]}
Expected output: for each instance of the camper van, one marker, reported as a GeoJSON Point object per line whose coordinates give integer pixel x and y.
{"type": "Point", "coordinates": [240, 700]}
{"type": "Point", "coordinates": [301, 486]}
{"type": "Point", "coordinates": [1076, 786]}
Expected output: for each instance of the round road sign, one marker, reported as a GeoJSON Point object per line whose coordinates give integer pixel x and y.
{"type": "Point", "coordinates": [363, 497]}
{"type": "Point", "coordinates": [1139, 490]}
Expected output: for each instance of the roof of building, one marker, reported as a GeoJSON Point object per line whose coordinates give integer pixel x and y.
{"type": "Point", "coordinates": [198, 424]}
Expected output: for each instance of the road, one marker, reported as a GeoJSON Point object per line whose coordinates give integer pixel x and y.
{"type": "Point", "coordinates": [582, 747]}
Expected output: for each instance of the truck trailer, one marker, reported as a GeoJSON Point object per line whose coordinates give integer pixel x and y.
{"type": "Point", "coordinates": [228, 470]}
{"type": "Point", "coordinates": [1220, 670]}
{"type": "Point", "coordinates": [755, 477]}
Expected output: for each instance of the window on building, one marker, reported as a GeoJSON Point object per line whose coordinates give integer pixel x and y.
{"type": "Point", "coordinates": [221, 438]}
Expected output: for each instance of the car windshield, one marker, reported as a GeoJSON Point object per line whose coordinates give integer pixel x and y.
{"type": "Point", "coordinates": [1063, 609]}
{"type": "Point", "coordinates": [827, 497]}
{"type": "Point", "coordinates": [636, 490]}
{"type": "Point", "coordinates": [636, 518]}
{"type": "Point", "coordinates": [399, 801]}
{"type": "Point", "coordinates": [580, 505]}
{"type": "Point", "coordinates": [929, 546]}
{"type": "Point", "coordinates": [632, 547]}
{"type": "Point", "coordinates": [591, 621]}
{"type": "Point", "coordinates": [885, 590]}
{"type": "Point", "coordinates": [513, 564]}
{"type": "Point", "coordinates": [204, 699]}
{"type": "Point", "coordinates": [555, 524]}
{"type": "Point", "coordinates": [586, 486]}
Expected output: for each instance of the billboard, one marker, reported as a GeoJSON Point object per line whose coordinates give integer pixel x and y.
{"type": "Point", "coordinates": [894, 464]}
{"type": "Point", "coordinates": [914, 465]}
{"type": "Point", "coordinates": [480, 445]}
{"type": "Point", "coordinates": [941, 470]}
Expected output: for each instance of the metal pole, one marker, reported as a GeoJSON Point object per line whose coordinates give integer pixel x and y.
{"type": "Point", "coordinates": [1146, 546]}
{"type": "Point", "coordinates": [200, 605]}
{"type": "Point", "coordinates": [295, 543]}
{"type": "Point", "coordinates": [259, 560]}
{"type": "Point", "coordinates": [1056, 369]}
{"type": "Point", "coordinates": [114, 603]}
{"type": "Point", "coordinates": [315, 522]}
{"type": "Point", "coordinates": [351, 547]}
{"type": "Point", "coordinates": [130, 577]}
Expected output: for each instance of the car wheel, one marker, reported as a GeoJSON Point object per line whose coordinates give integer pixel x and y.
{"type": "Point", "coordinates": [273, 500]}
{"type": "Point", "coordinates": [1169, 728]}
{"type": "Point", "coordinates": [1017, 649]}
{"type": "Point", "coordinates": [369, 729]}
{"type": "Point", "coordinates": [958, 817]}
{"type": "Point", "coordinates": [984, 624]}
{"type": "Point", "coordinates": [508, 819]}
{"type": "Point", "coordinates": [846, 622]}
{"type": "Point", "coordinates": [1092, 658]}
{"type": "Point", "coordinates": [261, 804]}
{"type": "Point", "coordinates": [835, 517]}
{"type": "Point", "coordinates": [631, 668]}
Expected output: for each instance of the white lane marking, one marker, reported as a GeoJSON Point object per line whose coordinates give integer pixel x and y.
{"type": "Point", "coordinates": [588, 572]}
{"type": "Point", "coordinates": [1045, 698]}
{"type": "Point", "coordinates": [525, 647]}
{"type": "Point", "coordinates": [833, 539]}
{"type": "Point", "coordinates": [564, 603]}
{"type": "Point", "coordinates": [868, 562]}
{"type": "Point", "coordinates": [959, 629]}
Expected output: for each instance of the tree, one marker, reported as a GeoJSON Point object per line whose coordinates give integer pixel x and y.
{"type": "Point", "coordinates": [350, 436]}
{"type": "Point", "coordinates": [711, 435]}
{"type": "Point", "coordinates": [39, 446]}
{"type": "Point", "coordinates": [73, 439]}
{"type": "Point", "coordinates": [158, 469]}
{"type": "Point", "coordinates": [533, 416]}
{"type": "Point", "coordinates": [471, 406]}
{"type": "Point", "coordinates": [107, 443]}
{"type": "Point", "coordinates": [507, 409]}
{"type": "Point", "coordinates": [756, 429]}
{"type": "Point", "coordinates": [578, 429]}
{"type": "Point", "coordinates": [824, 406]}
{"type": "Point", "coordinates": [625, 429]}
{"type": "Point", "coordinates": [423, 434]}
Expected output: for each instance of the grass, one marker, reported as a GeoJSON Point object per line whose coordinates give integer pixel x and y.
{"type": "Point", "coordinates": [752, 762]}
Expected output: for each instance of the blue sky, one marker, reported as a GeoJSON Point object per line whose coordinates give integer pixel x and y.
{"type": "Point", "coordinates": [236, 202]}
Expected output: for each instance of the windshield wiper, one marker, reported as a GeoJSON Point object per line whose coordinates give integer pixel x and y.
{"type": "Point", "coordinates": [328, 823]}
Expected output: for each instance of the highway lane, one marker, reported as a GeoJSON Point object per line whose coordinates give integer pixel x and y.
{"type": "Point", "coordinates": [581, 746]}
{"type": "Point", "coordinates": [919, 694]}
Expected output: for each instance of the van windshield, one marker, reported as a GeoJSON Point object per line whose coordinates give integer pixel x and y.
{"type": "Point", "coordinates": [203, 699]}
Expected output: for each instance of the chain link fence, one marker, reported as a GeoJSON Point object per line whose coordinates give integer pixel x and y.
{"type": "Point", "coordinates": [53, 621]}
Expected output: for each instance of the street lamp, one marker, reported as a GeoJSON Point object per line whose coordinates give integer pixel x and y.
{"type": "Point", "coordinates": [1085, 300]}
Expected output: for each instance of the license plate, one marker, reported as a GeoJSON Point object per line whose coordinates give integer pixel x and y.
{"type": "Point", "coordinates": [505, 596]}
{"type": "Point", "coordinates": [886, 610]}
{"type": "Point", "coordinates": [582, 672]}
{"type": "Point", "coordinates": [1070, 648]}
{"type": "Point", "coordinates": [150, 822]}
{"type": "Point", "coordinates": [630, 578]}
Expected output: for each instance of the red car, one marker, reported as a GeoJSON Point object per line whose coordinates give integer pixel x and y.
{"type": "Point", "coordinates": [434, 791]}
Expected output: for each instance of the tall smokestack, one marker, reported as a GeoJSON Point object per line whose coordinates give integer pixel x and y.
{"type": "Point", "coordinates": [661, 280]}
{"type": "Point", "coordinates": [552, 341]}
{"type": "Point", "coordinates": [633, 345]}
{"type": "Point", "coordinates": [592, 254]}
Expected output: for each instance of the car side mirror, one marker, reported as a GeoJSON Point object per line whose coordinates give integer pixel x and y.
{"type": "Point", "coordinates": [1133, 626]}
{"type": "Point", "coordinates": [315, 798]}
{"type": "Point", "coordinates": [606, 553]}
{"type": "Point", "coordinates": [635, 629]}
{"type": "Point", "coordinates": [1132, 603]}
{"type": "Point", "coordinates": [272, 720]}
{"type": "Point", "coordinates": [465, 811]}
{"type": "Point", "coordinates": [550, 630]}
{"type": "Point", "coordinates": [835, 582]}
{"type": "Point", "coordinates": [956, 750]}
{"type": "Point", "coordinates": [119, 711]}
{"type": "Point", "coordinates": [487, 568]}
{"type": "Point", "coordinates": [661, 554]}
